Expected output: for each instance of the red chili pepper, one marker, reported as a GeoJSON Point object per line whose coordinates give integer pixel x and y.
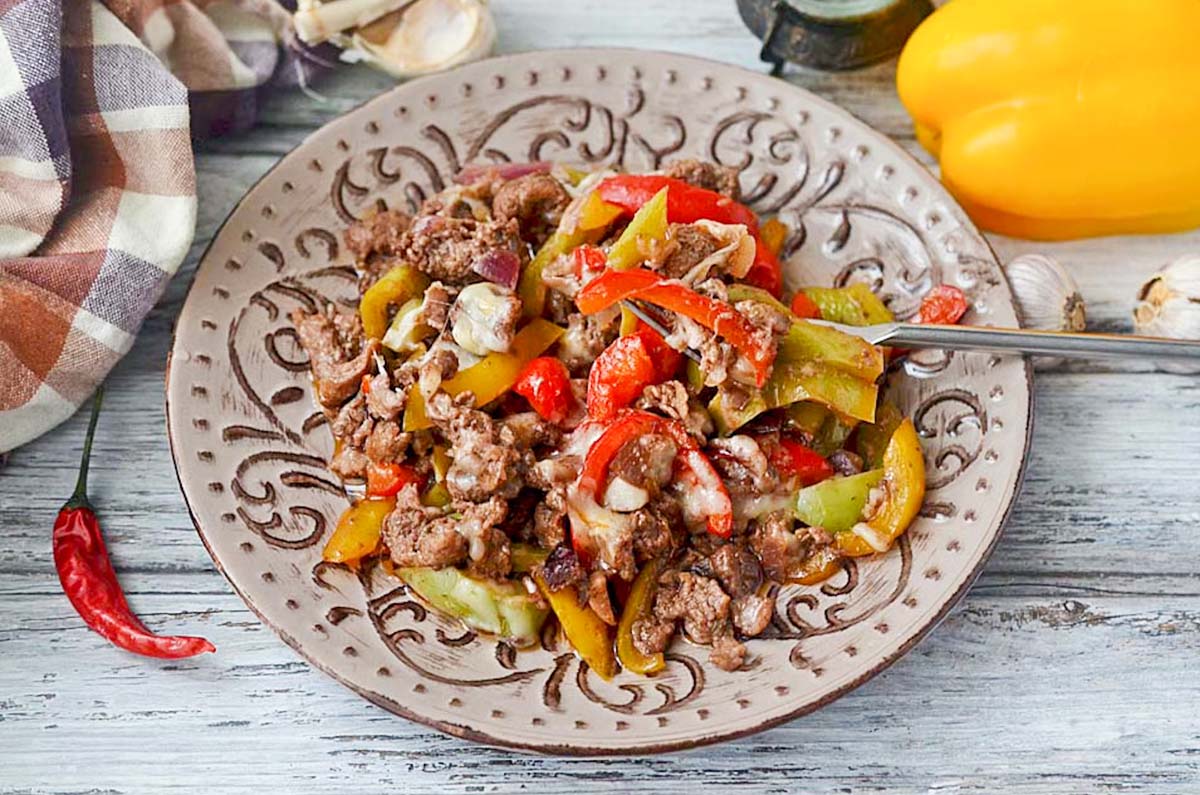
{"type": "Point", "coordinates": [546, 384]}
{"type": "Point", "coordinates": [612, 286]}
{"type": "Point", "coordinates": [793, 459]}
{"type": "Point", "coordinates": [687, 204]}
{"type": "Point", "coordinates": [632, 424]}
{"type": "Point", "coordinates": [943, 305]}
{"type": "Point", "coordinates": [386, 480]}
{"type": "Point", "coordinates": [587, 259]}
{"type": "Point", "coordinates": [804, 307]}
{"type": "Point", "coordinates": [88, 579]}
{"type": "Point", "coordinates": [625, 368]}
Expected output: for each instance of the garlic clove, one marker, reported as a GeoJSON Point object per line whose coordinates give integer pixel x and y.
{"type": "Point", "coordinates": [426, 36]}
{"type": "Point", "coordinates": [316, 22]}
{"type": "Point", "coordinates": [1169, 306]}
{"type": "Point", "coordinates": [1047, 298]}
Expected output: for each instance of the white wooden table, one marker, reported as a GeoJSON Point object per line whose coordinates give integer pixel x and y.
{"type": "Point", "coordinates": [1071, 666]}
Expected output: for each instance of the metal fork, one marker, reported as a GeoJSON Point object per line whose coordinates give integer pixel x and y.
{"type": "Point", "coordinates": [1070, 344]}
{"type": "Point", "coordinates": [1052, 343]}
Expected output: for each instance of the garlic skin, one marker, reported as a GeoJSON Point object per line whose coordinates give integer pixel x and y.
{"type": "Point", "coordinates": [1047, 298]}
{"type": "Point", "coordinates": [426, 36]}
{"type": "Point", "coordinates": [1169, 306]}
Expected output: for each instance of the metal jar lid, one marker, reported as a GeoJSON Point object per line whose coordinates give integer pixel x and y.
{"type": "Point", "coordinates": [831, 34]}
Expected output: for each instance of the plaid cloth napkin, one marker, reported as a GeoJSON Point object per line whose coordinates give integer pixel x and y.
{"type": "Point", "coordinates": [97, 182]}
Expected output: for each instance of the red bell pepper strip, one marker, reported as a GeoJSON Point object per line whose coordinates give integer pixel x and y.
{"type": "Point", "coordinates": [386, 480]}
{"type": "Point", "coordinates": [943, 305]}
{"type": "Point", "coordinates": [546, 384]}
{"type": "Point", "coordinates": [586, 260]}
{"type": "Point", "coordinates": [687, 204]}
{"type": "Point", "coordinates": [625, 368]}
{"type": "Point", "coordinates": [613, 286]}
{"type": "Point", "coordinates": [765, 272]}
{"type": "Point", "coordinates": [632, 424]}
{"type": "Point", "coordinates": [88, 579]}
{"type": "Point", "coordinates": [794, 460]}
{"type": "Point", "coordinates": [804, 307]}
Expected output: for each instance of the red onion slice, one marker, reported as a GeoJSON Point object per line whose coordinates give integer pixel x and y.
{"type": "Point", "coordinates": [474, 172]}
{"type": "Point", "coordinates": [499, 266]}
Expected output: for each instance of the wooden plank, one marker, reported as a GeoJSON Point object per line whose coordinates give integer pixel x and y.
{"type": "Point", "coordinates": [1020, 690]}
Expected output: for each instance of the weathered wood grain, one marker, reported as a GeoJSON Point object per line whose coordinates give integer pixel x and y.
{"type": "Point", "coordinates": [1069, 668]}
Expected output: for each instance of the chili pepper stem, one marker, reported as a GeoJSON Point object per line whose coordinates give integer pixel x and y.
{"type": "Point", "coordinates": [79, 498]}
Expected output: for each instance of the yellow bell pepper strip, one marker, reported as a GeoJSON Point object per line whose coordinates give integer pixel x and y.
{"type": "Point", "coordinates": [853, 305]}
{"type": "Point", "coordinates": [904, 485]}
{"type": "Point", "coordinates": [394, 288]}
{"type": "Point", "coordinates": [639, 603]}
{"type": "Point", "coordinates": [585, 630]}
{"type": "Point", "coordinates": [647, 230]}
{"type": "Point", "coordinates": [837, 503]}
{"type": "Point", "coordinates": [358, 531]}
{"type": "Point", "coordinates": [817, 567]}
{"type": "Point", "coordinates": [595, 213]}
{"type": "Point", "coordinates": [504, 609]}
{"type": "Point", "coordinates": [773, 233]}
{"type": "Point", "coordinates": [1057, 119]}
{"type": "Point", "coordinates": [871, 440]}
{"type": "Point", "coordinates": [613, 286]}
{"type": "Point", "coordinates": [438, 496]}
{"type": "Point", "coordinates": [629, 322]}
{"type": "Point", "coordinates": [493, 375]}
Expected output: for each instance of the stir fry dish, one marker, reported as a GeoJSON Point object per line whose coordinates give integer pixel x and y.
{"type": "Point", "coordinates": [585, 398]}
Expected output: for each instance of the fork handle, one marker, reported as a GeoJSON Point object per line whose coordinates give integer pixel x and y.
{"type": "Point", "coordinates": [1054, 343]}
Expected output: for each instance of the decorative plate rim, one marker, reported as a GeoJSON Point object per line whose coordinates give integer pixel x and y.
{"type": "Point", "coordinates": [466, 732]}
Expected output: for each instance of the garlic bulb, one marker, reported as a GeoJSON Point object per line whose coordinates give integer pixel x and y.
{"type": "Point", "coordinates": [1169, 305]}
{"type": "Point", "coordinates": [426, 36]}
{"type": "Point", "coordinates": [1047, 298]}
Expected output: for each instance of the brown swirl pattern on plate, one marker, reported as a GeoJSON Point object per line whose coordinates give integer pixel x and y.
{"type": "Point", "coordinates": [251, 449]}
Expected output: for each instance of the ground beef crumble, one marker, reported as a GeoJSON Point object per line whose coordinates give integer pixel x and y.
{"type": "Point", "coordinates": [703, 174]}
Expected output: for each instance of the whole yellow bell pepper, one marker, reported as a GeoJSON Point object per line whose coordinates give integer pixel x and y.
{"type": "Point", "coordinates": [1056, 119]}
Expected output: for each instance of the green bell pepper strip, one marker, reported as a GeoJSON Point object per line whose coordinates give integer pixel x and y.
{"type": "Point", "coordinates": [828, 430]}
{"type": "Point", "coordinates": [789, 383]}
{"type": "Point", "coordinates": [853, 305]}
{"type": "Point", "coordinates": [836, 504]}
{"type": "Point", "coordinates": [872, 440]}
{"type": "Point", "coordinates": [504, 609]}
{"type": "Point", "coordinates": [648, 228]}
